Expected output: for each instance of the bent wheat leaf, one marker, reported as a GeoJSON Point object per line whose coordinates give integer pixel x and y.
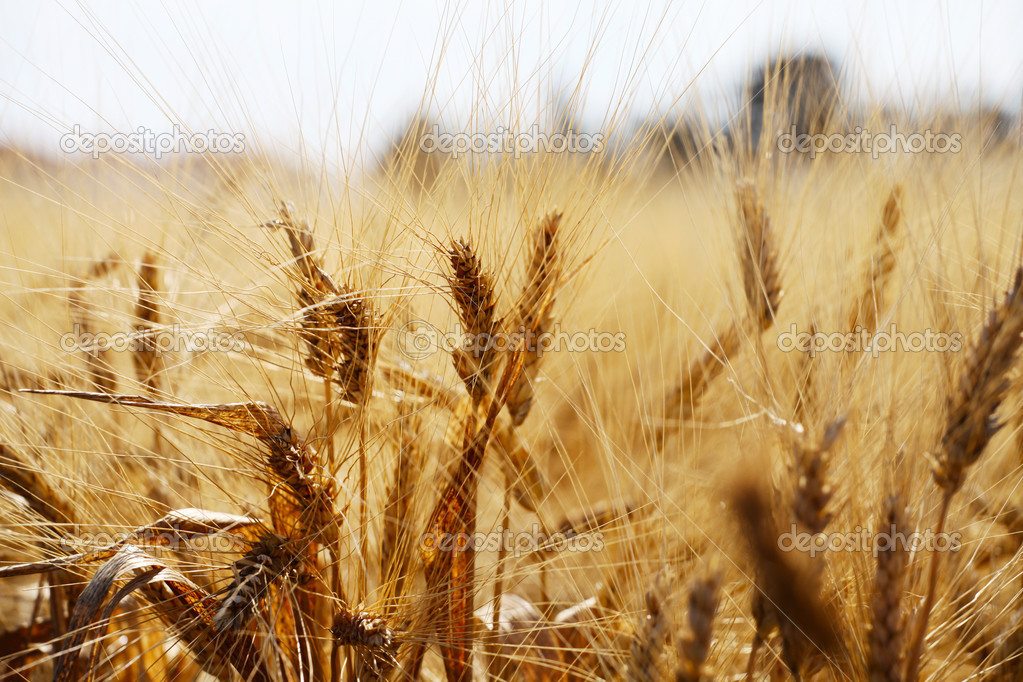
{"type": "Point", "coordinates": [307, 504]}
{"type": "Point", "coordinates": [180, 524]}
{"type": "Point", "coordinates": [253, 418]}
{"type": "Point", "coordinates": [135, 583]}
{"type": "Point", "coordinates": [181, 605]}
{"type": "Point", "coordinates": [188, 523]}
{"type": "Point", "coordinates": [57, 563]}
{"type": "Point", "coordinates": [92, 598]}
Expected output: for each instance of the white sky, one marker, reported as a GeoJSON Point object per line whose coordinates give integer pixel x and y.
{"type": "Point", "coordinates": [316, 74]}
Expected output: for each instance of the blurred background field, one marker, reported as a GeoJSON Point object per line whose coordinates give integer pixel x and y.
{"type": "Point", "coordinates": [653, 242]}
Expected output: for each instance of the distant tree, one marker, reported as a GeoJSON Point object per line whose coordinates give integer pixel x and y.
{"type": "Point", "coordinates": [787, 92]}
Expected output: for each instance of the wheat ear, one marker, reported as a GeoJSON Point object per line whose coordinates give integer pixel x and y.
{"type": "Point", "coordinates": [969, 426]}
{"type": "Point", "coordinates": [533, 313]}
{"type": "Point", "coordinates": [695, 645]}
{"type": "Point", "coordinates": [886, 619]}
{"type": "Point", "coordinates": [865, 310]}
{"type": "Point", "coordinates": [648, 643]}
{"type": "Point", "coordinates": [473, 292]}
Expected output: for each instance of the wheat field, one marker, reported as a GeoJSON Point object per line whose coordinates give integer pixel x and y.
{"type": "Point", "coordinates": [261, 422]}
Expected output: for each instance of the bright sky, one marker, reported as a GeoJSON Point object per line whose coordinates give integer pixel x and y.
{"type": "Point", "coordinates": [305, 76]}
